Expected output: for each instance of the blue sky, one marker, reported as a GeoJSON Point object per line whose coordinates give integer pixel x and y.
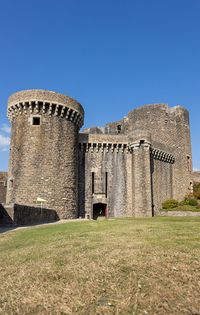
{"type": "Point", "coordinates": [111, 55]}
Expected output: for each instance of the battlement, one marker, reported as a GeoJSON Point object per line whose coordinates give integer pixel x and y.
{"type": "Point", "coordinates": [45, 102]}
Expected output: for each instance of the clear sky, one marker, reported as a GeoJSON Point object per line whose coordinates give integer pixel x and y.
{"type": "Point", "coordinates": [111, 55]}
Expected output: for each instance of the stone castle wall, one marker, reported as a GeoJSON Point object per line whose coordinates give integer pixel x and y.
{"type": "Point", "coordinates": [157, 165]}
{"type": "Point", "coordinates": [162, 182]}
{"type": "Point", "coordinates": [43, 158]}
{"type": "Point", "coordinates": [25, 215]}
{"type": "Point", "coordinates": [169, 130]}
{"type": "Point", "coordinates": [131, 166]}
{"type": "Point", "coordinates": [106, 161]}
{"type": "Point", "coordinates": [3, 186]}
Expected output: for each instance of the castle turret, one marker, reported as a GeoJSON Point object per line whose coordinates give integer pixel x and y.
{"type": "Point", "coordinates": [44, 150]}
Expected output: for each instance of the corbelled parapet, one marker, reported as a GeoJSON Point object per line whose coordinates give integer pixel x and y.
{"type": "Point", "coordinates": [162, 156]}
{"type": "Point", "coordinates": [45, 102]}
{"type": "Point", "coordinates": [104, 147]}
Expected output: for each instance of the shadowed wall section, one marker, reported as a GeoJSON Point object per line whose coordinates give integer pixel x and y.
{"type": "Point", "coordinates": [3, 186]}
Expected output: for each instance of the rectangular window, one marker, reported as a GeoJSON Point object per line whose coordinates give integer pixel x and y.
{"type": "Point", "coordinates": [35, 120]}
{"type": "Point", "coordinates": [119, 128]}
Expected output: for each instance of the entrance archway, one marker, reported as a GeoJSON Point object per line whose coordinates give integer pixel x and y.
{"type": "Point", "coordinates": [99, 210]}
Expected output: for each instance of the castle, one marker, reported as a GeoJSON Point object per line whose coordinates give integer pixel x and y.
{"type": "Point", "coordinates": [127, 168]}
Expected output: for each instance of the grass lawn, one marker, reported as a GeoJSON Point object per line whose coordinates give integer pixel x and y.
{"type": "Point", "coordinates": [120, 266]}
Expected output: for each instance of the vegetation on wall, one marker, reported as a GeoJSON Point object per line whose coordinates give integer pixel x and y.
{"type": "Point", "coordinates": [197, 191]}
{"type": "Point", "coordinates": [170, 204]}
{"type": "Point", "coordinates": [190, 203]}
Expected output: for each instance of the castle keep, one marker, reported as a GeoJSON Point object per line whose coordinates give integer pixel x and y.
{"type": "Point", "coordinates": [126, 168]}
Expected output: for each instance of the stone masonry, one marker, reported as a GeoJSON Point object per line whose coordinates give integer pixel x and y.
{"type": "Point", "coordinates": [146, 158]}
{"type": "Point", "coordinates": [3, 186]}
{"type": "Point", "coordinates": [126, 168]}
{"type": "Point", "coordinates": [43, 151]}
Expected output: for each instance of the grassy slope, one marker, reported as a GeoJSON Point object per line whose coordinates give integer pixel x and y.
{"type": "Point", "coordinates": [124, 266]}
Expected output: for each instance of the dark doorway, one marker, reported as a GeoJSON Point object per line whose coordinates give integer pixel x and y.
{"type": "Point", "coordinates": [99, 210]}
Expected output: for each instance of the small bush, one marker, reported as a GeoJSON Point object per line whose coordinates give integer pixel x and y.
{"type": "Point", "coordinates": [170, 204]}
{"type": "Point", "coordinates": [191, 201]}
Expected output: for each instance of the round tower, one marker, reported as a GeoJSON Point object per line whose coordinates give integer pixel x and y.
{"type": "Point", "coordinates": [44, 150]}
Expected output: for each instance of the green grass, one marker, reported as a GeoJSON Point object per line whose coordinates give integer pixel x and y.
{"type": "Point", "coordinates": [120, 266]}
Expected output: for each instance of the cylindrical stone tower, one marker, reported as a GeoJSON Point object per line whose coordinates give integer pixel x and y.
{"type": "Point", "coordinates": [44, 150]}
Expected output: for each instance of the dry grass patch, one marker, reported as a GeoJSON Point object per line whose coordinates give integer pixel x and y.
{"type": "Point", "coordinates": [124, 266]}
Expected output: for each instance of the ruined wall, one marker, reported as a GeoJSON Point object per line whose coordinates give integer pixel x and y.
{"type": "Point", "coordinates": [3, 186]}
{"type": "Point", "coordinates": [44, 157]}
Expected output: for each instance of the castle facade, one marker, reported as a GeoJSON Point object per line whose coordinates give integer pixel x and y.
{"type": "Point", "coordinates": [124, 169]}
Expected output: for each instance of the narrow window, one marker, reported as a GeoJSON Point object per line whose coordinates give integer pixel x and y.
{"type": "Point", "coordinates": [35, 120]}
{"type": "Point", "coordinates": [119, 128]}
{"type": "Point", "coordinates": [188, 163]}
{"type": "Point", "coordinates": [92, 183]}
{"type": "Point", "coordinates": [191, 187]}
{"type": "Point", "coordinates": [11, 183]}
{"type": "Point", "coordinates": [106, 184]}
